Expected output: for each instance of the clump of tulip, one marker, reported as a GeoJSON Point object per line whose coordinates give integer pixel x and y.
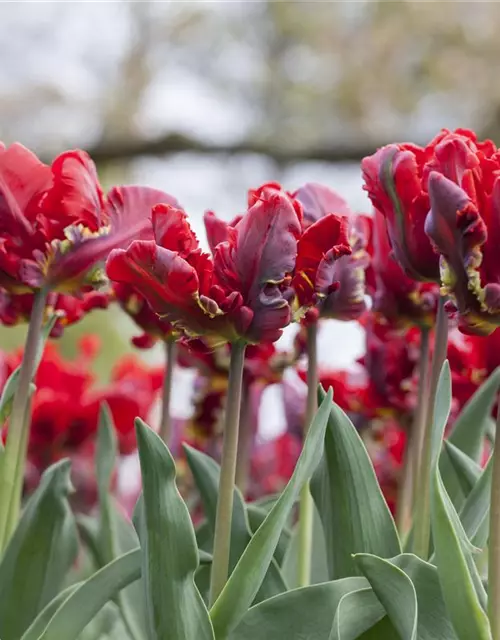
{"type": "Point", "coordinates": [383, 483]}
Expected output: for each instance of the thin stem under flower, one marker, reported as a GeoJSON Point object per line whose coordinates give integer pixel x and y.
{"type": "Point", "coordinates": [14, 456]}
{"type": "Point", "coordinates": [222, 537]}
{"type": "Point", "coordinates": [166, 418]}
{"type": "Point", "coordinates": [422, 510]}
{"type": "Point", "coordinates": [414, 446]}
{"type": "Point", "coordinates": [306, 503]}
{"type": "Point", "coordinates": [244, 441]}
{"type": "Point", "coordinates": [494, 541]}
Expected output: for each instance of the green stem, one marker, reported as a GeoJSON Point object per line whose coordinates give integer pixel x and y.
{"type": "Point", "coordinates": [494, 541]}
{"type": "Point", "coordinates": [306, 503]}
{"type": "Point", "coordinates": [14, 457]}
{"type": "Point", "coordinates": [422, 530]}
{"type": "Point", "coordinates": [166, 419]}
{"type": "Point", "coordinates": [244, 441]}
{"type": "Point", "coordinates": [222, 538]}
{"type": "Point", "coordinates": [415, 440]}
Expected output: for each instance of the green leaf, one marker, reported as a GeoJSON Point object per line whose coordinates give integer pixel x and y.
{"type": "Point", "coordinates": [319, 563]}
{"type": "Point", "coordinates": [462, 588]}
{"type": "Point", "coordinates": [90, 597]}
{"type": "Point", "coordinates": [475, 511]}
{"type": "Point", "coordinates": [245, 581]}
{"type": "Point", "coordinates": [256, 516]}
{"type": "Point", "coordinates": [39, 554]}
{"type": "Point", "coordinates": [354, 513]}
{"type": "Point", "coordinates": [206, 474]}
{"type": "Point", "coordinates": [38, 625]}
{"type": "Point", "coordinates": [169, 554]}
{"type": "Point", "coordinates": [466, 470]}
{"type": "Point", "coordinates": [433, 620]}
{"type": "Point", "coordinates": [301, 613]}
{"type": "Point", "coordinates": [115, 535]}
{"type": "Point", "coordinates": [395, 591]}
{"type": "Point", "coordinates": [470, 427]}
{"type": "Point", "coordinates": [357, 612]}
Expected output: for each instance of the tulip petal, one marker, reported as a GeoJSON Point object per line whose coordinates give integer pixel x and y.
{"type": "Point", "coordinates": [318, 248]}
{"type": "Point", "coordinates": [217, 230]}
{"type": "Point", "coordinates": [172, 230]}
{"type": "Point", "coordinates": [22, 179]}
{"type": "Point", "coordinates": [317, 201]}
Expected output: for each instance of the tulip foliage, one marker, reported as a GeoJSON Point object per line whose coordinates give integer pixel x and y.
{"type": "Point", "coordinates": [375, 513]}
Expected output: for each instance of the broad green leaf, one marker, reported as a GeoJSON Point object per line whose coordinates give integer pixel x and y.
{"type": "Point", "coordinates": [90, 597]}
{"type": "Point", "coordinates": [206, 474]}
{"type": "Point", "coordinates": [246, 579]}
{"type": "Point", "coordinates": [462, 589]}
{"type": "Point", "coordinates": [357, 612]}
{"type": "Point", "coordinates": [39, 554]}
{"type": "Point", "coordinates": [474, 514]}
{"type": "Point", "coordinates": [395, 591]}
{"type": "Point", "coordinates": [38, 625]}
{"type": "Point", "coordinates": [433, 620]}
{"type": "Point", "coordinates": [319, 563]}
{"type": "Point", "coordinates": [301, 613]}
{"type": "Point", "coordinates": [354, 513]}
{"type": "Point", "coordinates": [115, 535]}
{"type": "Point", "coordinates": [169, 554]}
{"type": "Point", "coordinates": [466, 470]}
{"type": "Point", "coordinates": [470, 427]}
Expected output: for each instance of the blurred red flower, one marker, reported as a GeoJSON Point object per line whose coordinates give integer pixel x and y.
{"type": "Point", "coordinates": [67, 401]}
{"type": "Point", "coordinates": [69, 309]}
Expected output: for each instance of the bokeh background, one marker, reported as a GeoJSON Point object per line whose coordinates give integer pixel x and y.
{"type": "Point", "coordinates": [206, 99]}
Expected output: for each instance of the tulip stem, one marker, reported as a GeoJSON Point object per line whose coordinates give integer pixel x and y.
{"type": "Point", "coordinates": [422, 511]}
{"type": "Point", "coordinates": [244, 441]}
{"type": "Point", "coordinates": [166, 419]}
{"type": "Point", "coordinates": [14, 456]}
{"type": "Point", "coordinates": [494, 541]}
{"type": "Point", "coordinates": [306, 503]}
{"type": "Point", "coordinates": [413, 450]}
{"type": "Point", "coordinates": [224, 514]}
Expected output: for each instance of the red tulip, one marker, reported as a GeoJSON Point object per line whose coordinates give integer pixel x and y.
{"type": "Point", "coordinates": [398, 299]}
{"type": "Point", "coordinates": [242, 293]}
{"type": "Point", "coordinates": [393, 180]}
{"type": "Point", "coordinates": [57, 224]}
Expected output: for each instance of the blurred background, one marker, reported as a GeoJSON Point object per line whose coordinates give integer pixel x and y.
{"type": "Point", "coordinates": [206, 99]}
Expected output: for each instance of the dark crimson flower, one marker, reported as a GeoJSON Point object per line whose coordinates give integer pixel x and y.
{"type": "Point", "coordinates": [56, 224]}
{"type": "Point", "coordinates": [69, 309]}
{"type": "Point", "coordinates": [242, 293]}
{"type": "Point", "coordinates": [386, 444]}
{"type": "Point", "coordinates": [395, 184]}
{"type": "Point", "coordinates": [397, 299]}
{"type": "Point", "coordinates": [67, 401]}
{"type": "Point", "coordinates": [136, 306]}
{"type": "Point", "coordinates": [131, 393]}
{"type": "Point", "coordinates": [390, 363]}
{"type": "Point", "coordinates": [464, 226]}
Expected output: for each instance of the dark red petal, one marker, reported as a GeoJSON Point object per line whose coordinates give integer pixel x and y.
{"type": "Point", "coordinates": [325, 239]}
{"type": "Point", "coordinates": [172, 230]}
{"type": "Point", "coordinates": [165, 279]}
{"type": "Point", "coordinates": [23, 179]}
{"type": "Point", "coordinates": [217, 230]}
{"type": "Point", "coordinates": [76, 196]}
{"type": "Point", "coordinates": [318, 200]}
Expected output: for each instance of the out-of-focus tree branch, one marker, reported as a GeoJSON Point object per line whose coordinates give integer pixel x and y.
{"type": "Point", "coordinates": [105, 152]}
